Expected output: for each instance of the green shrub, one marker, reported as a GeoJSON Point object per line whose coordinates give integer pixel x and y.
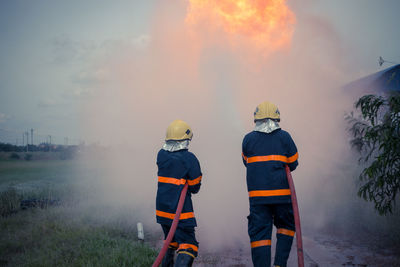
{"type": "Point", "coordinates": [14, 156]}
{"type": "Point", "coordinates": [28, 157]}
{"type": "Point", "coordinates": [376, 136]}
{"type": "Point", "coordinates": [67, 154]}
{"type": "Point", "coordinates": [9, 201]}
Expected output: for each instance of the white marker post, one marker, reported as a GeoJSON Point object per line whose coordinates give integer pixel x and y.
{"type": "Point", "coordinates": [140, 231]}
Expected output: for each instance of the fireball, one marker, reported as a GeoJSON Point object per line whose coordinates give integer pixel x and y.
{"type": "Point", "coordinates": [266, 24]}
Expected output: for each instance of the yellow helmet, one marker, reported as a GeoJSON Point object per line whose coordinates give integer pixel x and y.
{"type": "Point", "coordinates": [179, 130]}
{"type": "Point", "coordinates": [267, 110]}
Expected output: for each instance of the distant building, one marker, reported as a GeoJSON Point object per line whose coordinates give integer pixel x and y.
{"type": "Point", "coordinates": [381, 82]}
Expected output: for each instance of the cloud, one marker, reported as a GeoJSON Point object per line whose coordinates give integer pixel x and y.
{"type": "Point", "coordinates": [3, 117]}
{"type": "Point", "coordinates": [141, 41]}
{"type": "Point", "coordinates": [78, 93]}
{"type": "Point", "coordinates": [90, 77]}
{"type": "Point", "coordinates": [97, 73]}
{"type": "Point", "coordinates": [66, 49]}
{"type": "Point", "coordinates": [47, 103]}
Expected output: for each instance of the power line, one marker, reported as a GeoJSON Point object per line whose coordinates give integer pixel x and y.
{"type": "Point", "coordinates": [11, 136]}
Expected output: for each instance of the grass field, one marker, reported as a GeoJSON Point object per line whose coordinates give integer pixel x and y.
{"type": "Point", "coordinates": [76, 232]}
{"type": "Point", "coordinates": [14, 172]}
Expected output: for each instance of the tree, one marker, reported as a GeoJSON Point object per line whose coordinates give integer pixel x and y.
{"type": "Point", "coordinates": [376, 136]}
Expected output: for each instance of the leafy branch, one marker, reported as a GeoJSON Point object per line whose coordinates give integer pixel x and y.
{"type": "Point", "coordinates": [376, 136]}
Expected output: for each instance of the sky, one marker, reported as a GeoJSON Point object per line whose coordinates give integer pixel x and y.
{"type": "Point", "coordinates": [50, 53]}
{"type": "Point", "coordinates": [45, 49]}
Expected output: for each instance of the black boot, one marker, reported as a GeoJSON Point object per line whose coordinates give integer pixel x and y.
{"type": "Point", "coordinates": [184, 260]}
{"type": "Point", "coordinates": [168, 260]}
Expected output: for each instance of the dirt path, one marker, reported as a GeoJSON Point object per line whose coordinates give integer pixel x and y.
{"type": "Point", "coordinates": [319, 251]}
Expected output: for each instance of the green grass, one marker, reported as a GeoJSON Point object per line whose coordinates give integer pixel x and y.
{"type": "Point", "coordinates": [9, 202]}
{"type": "Point", "coordinates": [63, 236]}
{"type": "Point", "coordinates": [14, 172]}
{"type": "Point", "coordinates": [82, 231]}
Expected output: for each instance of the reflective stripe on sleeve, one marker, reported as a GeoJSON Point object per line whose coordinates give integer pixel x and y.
{"type": "Point", "coordinates": [261, 243]}
{"type": "Point", "coordinates": [269, 193]}
{"type": "Point", "coordinates": [194, 181]}
{"type": "Point", "coordinates": [285, 232]}
{"type": "Point", "coordinates": [171, 180]}
{"type": "Point", "coordinates": [293, 158]}
{"type": "Point", "coordinates": [244, 157]}
{"type": "Point", "coordinates": [188, 246]}
{"type": "Point", "coordinates": [173, 245]}
{"type": "Point", "coordinates": [272, 158]}
{"type": "Point", "coordinates": [186, 215]}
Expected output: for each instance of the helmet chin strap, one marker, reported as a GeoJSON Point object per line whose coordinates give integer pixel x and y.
{"type": "Point", "coordinates": [173, 145]}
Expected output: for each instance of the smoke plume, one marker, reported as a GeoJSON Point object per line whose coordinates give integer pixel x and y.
{"type": "Point", "coordinates": [213, 77]}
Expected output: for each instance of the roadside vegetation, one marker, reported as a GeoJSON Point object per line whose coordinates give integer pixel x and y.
{"type": "Point", "coordinates": [62, 224]}
{"type": "Point", "coordinates": [376, 136]}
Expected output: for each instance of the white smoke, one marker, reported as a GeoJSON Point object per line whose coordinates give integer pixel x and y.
{"type": "Point", "coordinates": [215, 88]}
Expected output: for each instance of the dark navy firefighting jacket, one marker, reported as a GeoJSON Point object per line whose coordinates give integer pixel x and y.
{"type": "Point", "coordinates": [174, 170]}
{"type": "Point", "coordinates": [265, 156]}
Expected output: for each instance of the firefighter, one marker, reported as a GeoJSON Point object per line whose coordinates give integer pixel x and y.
{"type": "Point", "coordinates": [265, 152]}
{"type": "Point", "coordinates": [177, 166]}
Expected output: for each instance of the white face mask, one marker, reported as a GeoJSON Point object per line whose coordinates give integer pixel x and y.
{"type": "Point", "coordinates": [266, 126]}
{"type": "Point", "coordinates": [172, 145]}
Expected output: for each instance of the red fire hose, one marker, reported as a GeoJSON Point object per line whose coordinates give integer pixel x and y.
{"type": "Point", "coordinates": [172, 230]}
{"type": "Point", "coordinates": [299, 241]}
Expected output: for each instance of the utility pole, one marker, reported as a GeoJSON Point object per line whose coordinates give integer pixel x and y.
{"type": "Point", "coordinates": [49, 143]}
{"type": "Point", "coordinates": [23, 139]}
{"type": "Point", "coordinates": [31, 136]}
{"type": "Point", "coordinates": [27, 141]}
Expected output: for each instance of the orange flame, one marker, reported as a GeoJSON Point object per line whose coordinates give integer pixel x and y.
{"type": "Point", "coordinates": [269, 24]}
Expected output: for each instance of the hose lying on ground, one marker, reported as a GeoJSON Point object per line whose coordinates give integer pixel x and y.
{"type": "Point", "coordinates": [172, 230]}
{"type": "Point", "coordinates": [299, 241]}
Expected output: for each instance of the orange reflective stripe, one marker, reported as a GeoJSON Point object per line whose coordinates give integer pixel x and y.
{"type": "Point", "coordinates": [285, 232]}
{"type": "Point", "coordinates": [260, 243]}
{"type": "Point", "coordinates": [269, 193]}
{"type": "Point", "coordinates": [244, 157]}
{"type": "Point", "coordinates": [171, 180]}
{"type": "Point", "coordinates": [186, 215]}
{"type": "Point", "coordinates": [188, 246]}
{"type": "Point", "coordinates": [273, 158]}
{"type": "Point", "coordinates": [173, 245]}
{"type": "Point", "coordinates": [194, 181]}
{"type": "Point", "coordinates": [266, 158]}
{"type": "Point", "coordinates": [293, 158]}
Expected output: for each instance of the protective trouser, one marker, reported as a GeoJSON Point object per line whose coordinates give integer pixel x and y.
{"type": "Point", "coordinates": [260, 223]}
{"type": "Point", "coordinates": [184, 260]}
{"type": "Point", "coordinates": [184, 240]}
{"type": "Point", "coordinates": [168, 260]}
